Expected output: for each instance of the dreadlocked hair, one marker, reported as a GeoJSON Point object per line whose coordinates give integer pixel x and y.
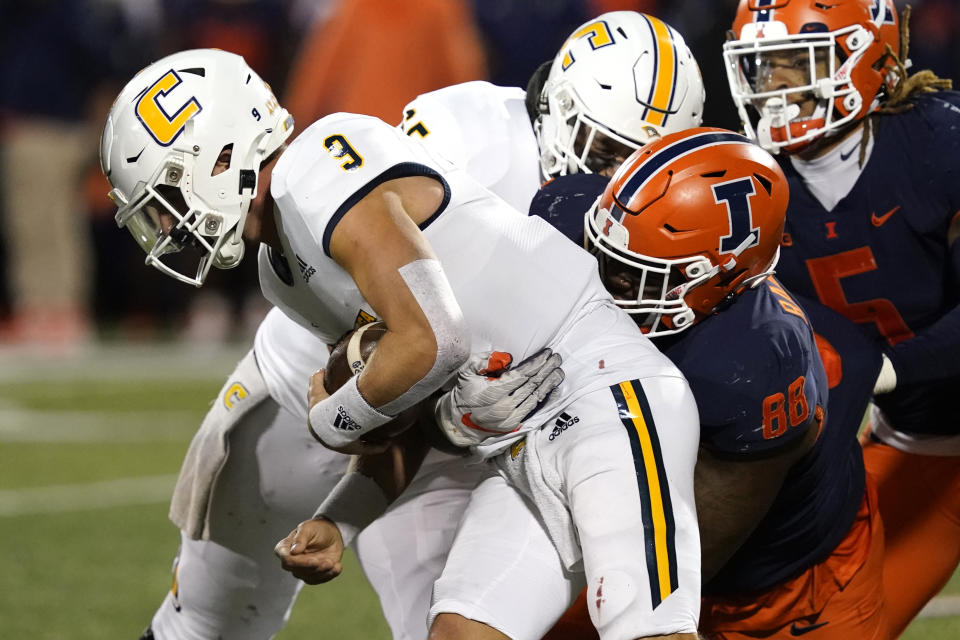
{"type": "Point", "coordinates": [904, 86]}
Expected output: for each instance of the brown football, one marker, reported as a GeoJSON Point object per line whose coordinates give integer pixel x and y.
{"type": "Point", "coordinates": [348, 358]}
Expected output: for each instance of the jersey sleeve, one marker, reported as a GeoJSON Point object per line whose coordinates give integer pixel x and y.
{"type": "Point", "coordinates": [338, 160]}
{"type": "Point", "coordinates": [483, 129]}
{"type": "Point", "coordinates": [851, 361]}
{"type": "Point", "coordinates": [564, 201]}
{"type": "Point", "coordinates": [759, 388]}
{"type": "Point", "coordinates": [933, 353]}
{"type": "Point", "coordinates": [943, 114]}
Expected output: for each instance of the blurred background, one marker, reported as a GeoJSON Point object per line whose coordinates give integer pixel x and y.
{"type": "Point", "coordinates": [70, 277]}
{"type": "Point", "coordinates": [90, 443]}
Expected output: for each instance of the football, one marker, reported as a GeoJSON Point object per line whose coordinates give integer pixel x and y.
{"type": "Point", "coordinates": [348, 358]}
{"type": "Point", "coordinates": [350, 355]}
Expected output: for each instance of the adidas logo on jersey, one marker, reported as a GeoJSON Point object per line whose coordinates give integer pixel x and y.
{"type": "Point", "coordinates": [343, 421]}
{"type": "Point", "coordinates": [564, 422]}
{"type": "Point", "coordinates": [305, 270]}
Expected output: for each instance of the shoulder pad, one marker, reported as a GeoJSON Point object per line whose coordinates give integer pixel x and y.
{"type": "Point", "coordinates": [338, 160]}
{"type": "Point", "coordinates": [756, 376]}
{"type": "Point", "coordinates": [564, 201]}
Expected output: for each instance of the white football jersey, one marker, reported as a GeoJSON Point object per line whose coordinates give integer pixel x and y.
{"type": "Point", "coordinates": [483, 129]}
{"type": "Point", "coordinates": [478, 126]}
{"type": "Point", "coordinates": [521, 284]}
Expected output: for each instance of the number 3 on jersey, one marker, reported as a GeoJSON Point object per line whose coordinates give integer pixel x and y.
{"type": "Point", "coordinates": [340, 149]}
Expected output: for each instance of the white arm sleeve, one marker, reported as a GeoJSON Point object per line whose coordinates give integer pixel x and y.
{"type": "Point", "coordinates": [430, 287]}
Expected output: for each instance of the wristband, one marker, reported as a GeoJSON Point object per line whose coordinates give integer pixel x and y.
{"type": "Point", "coordinates": [352, 504]}
{"type": "Point", "coordinates": [344, 417]}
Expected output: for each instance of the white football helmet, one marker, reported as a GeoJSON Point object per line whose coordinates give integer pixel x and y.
{"type": "Point", "coordinates": [161, 143]}
{"type": "Point", "coordinates": [624, 74]}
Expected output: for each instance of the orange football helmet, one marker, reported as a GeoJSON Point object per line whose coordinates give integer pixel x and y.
{"type": "Point", "coordinates": [802, 69]}
{"type": "Point", "coordinates": [688, 222]}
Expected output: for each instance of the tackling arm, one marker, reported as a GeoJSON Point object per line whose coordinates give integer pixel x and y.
{"type": "Point", "coordinates": [380, 245]}
{"type": "Point", "coordinates": [733, 495]}
{"type": "Point", "coordinates": [313, 551]}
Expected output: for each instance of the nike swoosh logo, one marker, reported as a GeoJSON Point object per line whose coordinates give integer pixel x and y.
{"type": "Point", "coordinates": [879, 220]}
{"type": "Point", "coordinates": [844, 156]}
{"type": "Point", "coordinates": [799, 631]}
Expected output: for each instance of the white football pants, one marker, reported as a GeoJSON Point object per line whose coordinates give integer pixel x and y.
{"type": "Point", "coordinates": [232, 586]}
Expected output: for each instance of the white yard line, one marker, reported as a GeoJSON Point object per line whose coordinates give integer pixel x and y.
{"type": "Point", "coordinates": [122, 361]}
{"type": "Point", "coordinates": [942, 607]}
{"type": "Point", "coordinates": [28, 425]}
{"type": "Point", "coordinates": [85, 497]}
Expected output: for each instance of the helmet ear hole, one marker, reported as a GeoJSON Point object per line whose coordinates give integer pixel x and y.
{"type": "Point", "coordinates": [224, 159]}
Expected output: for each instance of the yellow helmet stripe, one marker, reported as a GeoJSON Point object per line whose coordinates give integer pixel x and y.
{"type": "Point", "coordinates": [665, 62]}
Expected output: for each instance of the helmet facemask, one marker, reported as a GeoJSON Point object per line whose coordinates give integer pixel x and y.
{"type": "Point", "coordinates": [571, 142]}
{"type": "Point", "coordinates": [792, 90]}
{"type": "Point", "coordinates": [652, 290]}
{"type": "Point", "coordinates": [168, 217]}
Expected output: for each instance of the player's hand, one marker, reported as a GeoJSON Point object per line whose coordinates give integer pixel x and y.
{"type": "Point", "coordinates": [492, 399]}
{"type": "Point", "coordinates": [312, 552]}
{"type": "Point", "coordinates": [317, 393]}
{"type": "Point", "coordinates": [887, 379]}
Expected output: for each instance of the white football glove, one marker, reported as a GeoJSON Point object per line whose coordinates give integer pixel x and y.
{"type": "Point", "coordinates": [490, 399]}
{"type": "Point", "coordinates": [887, 380]}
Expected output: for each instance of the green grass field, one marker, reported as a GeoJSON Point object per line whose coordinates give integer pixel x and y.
{"type": "Point", "coordinates": [89, 449]}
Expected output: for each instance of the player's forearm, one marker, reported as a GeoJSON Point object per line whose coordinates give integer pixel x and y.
{"type": "Point", "coordinates": [932, 354]}
{"type": "Point", "coordinates": [404, 357]}
{"type": "Point", "coordinates": [394, 469]}
{"type": "Point", "coordinates": [371, 484]}
{"type": "Point", "coordinates": [732, 497]}
{"type": "Point", "coordinates": [432, 339]}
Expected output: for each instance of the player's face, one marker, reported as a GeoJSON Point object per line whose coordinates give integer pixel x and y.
{"type": "Point", "coordinates": [223, 161]}
{"type": "Point", "coordinates": [605, 155]}
{"type": "Point", "coordinates": [791, 68]}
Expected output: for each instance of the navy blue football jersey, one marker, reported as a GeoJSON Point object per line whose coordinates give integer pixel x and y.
{"type": "Point", "coordinates": [822, 491]}
{"type": "Point", "coordinates": [760, 384]}
{"type": "Point", "coordinates": [754, 371]}
{"type": "Point", "coordinates": [564, 201]}
{"type": "Point", "coordinates": [882, 257]}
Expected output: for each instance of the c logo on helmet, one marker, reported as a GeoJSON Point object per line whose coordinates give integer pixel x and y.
{"type": "Point", "coordinates": [164, 127]}
{"type": "Point", "coordinates": [596, 33]}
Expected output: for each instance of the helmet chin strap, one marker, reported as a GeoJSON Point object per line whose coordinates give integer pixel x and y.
{"type": "Point", "coordinates": [230, 253]}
